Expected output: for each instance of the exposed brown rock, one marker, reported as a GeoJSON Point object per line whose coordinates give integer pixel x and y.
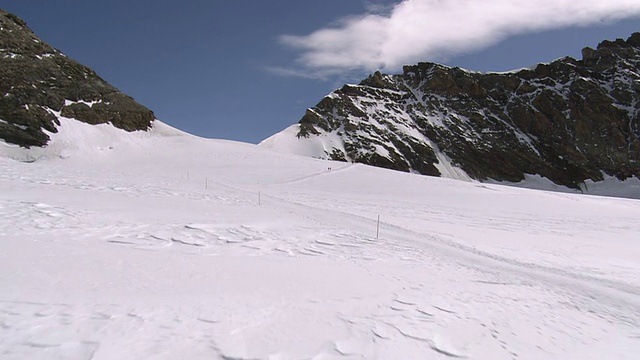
{"type": "Point", "coordinates": [36, 81]}
{"type": "Point", "coordinates": [570, 120]}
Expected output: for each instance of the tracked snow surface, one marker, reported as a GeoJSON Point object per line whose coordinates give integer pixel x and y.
{"type": "Point", "coordinates": [162, 245]}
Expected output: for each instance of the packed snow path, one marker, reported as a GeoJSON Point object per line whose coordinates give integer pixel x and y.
{"type": "Point", "coordinates": [172, 247]}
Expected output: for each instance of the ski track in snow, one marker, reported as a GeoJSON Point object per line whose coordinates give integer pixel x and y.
{"type": "Point", "coordinates": [115, 262]}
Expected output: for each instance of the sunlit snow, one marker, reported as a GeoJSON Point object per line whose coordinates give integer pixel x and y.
{"type": "Point", "coordinates": [162, 245]}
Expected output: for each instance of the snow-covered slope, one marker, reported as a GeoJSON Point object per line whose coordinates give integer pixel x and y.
{"type": "Point", "coordinates": [317, 147]}
{"type": "Point", "coordinates": [161, 245]}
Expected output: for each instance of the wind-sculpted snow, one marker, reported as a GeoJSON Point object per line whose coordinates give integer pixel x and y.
{"type": "Point", "coordinates": [164, 246]}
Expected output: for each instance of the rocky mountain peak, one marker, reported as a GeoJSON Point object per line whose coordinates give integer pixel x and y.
{"type": "Point", "coordinates": [38, 84]}
{"type": "Point", "coordinates": [569, 120]}
{"type": "Point", "coordinates": [607, 51]}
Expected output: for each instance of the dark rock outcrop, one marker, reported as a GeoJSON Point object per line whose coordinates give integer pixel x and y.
{"type": "Point", "coordinates": [38, 83]}
{"type": "Point", "coordinates": [569, 120]}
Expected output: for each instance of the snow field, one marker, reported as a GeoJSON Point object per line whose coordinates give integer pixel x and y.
{"type": "Point", "coordinates": [164, 245]}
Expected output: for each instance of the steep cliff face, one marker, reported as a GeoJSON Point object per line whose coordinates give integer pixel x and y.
{"type": "Point", "coordinates": [38, 84]}
{"type": "Point", "coordinates": [569, 121]}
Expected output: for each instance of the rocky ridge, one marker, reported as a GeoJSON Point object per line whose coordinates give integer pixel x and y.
{"type": "Point", "coordinates": [569, 120]}
{"type": "Point", "coordinates": [38, 84]}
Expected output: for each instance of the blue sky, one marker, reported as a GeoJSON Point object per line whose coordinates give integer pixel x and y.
{"type": "Point", "coordinates": [244, 70]}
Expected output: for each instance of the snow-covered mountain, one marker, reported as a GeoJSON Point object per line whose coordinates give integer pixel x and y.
{"type": "Point", "coordinates": [161, 245]}
{"type": "Point", "coordinates": [573, 122]}
{"type": "Point", "coordinates": [117, 243]}
{"type": "Point", "coordinates": [38, 84]}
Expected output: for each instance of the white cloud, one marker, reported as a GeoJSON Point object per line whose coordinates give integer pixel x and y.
{"type": "Point", "coordinates": [420, 30]}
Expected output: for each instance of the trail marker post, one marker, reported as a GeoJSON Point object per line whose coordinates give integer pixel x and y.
{"type": "Point", "coordinates": [378, 227]}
